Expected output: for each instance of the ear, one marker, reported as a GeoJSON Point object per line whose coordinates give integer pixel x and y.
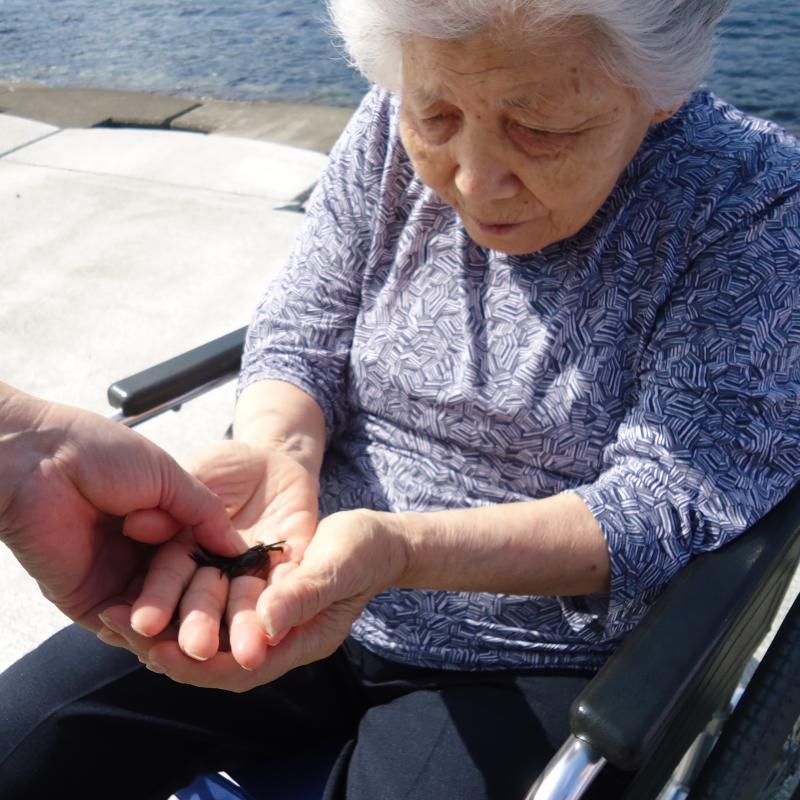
{"type": "Point", "coordinates": [664, 114]}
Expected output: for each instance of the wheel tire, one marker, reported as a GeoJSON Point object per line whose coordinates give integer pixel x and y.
{"type": "Point", "coordinates": [757, 756]}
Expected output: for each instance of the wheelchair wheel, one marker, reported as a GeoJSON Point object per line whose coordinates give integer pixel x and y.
{"type": "Point", "coordinates": [757, 756]}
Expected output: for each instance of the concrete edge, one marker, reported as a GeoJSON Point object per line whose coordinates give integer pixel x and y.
{"type": "Point", "coordinates": [312, 127]}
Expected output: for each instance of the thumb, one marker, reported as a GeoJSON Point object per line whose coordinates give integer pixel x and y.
{"type": "Point", "coordinates": [150, 525]}
{"type": "Point", "coordinates": [119, 471]}
{"type": "Point", "coordinates": [294, 599]}
{"type": "Point", "coordinates": [184, 499]}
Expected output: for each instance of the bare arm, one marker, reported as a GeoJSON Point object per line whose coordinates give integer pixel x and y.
{"type": "Point", "coordinates": [21, 446]}
{"type": "Point", "coordinates": [278, 415]}
{"type": "Point", "coordinates": [541, 547]}
{"type": "Point", "coordinates": [552, 546]}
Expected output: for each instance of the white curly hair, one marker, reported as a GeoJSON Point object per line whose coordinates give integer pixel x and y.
{"type": "Point", "coordinates": [663, 48]}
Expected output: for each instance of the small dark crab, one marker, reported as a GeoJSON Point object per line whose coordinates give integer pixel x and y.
{"type": "Point", "coordinates": [252, 562]}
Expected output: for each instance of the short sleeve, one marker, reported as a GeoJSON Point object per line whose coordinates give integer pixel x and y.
{"type": "Point", "coordinates": [713, 440]}
{"type": "Point", "coordinates": [302, 328]}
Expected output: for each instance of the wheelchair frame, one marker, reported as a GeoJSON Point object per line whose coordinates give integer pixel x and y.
{"type": "Point", "coordinates": [659, 702]}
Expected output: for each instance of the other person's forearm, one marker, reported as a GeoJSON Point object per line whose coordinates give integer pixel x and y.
{"type": "Point", "coordinates": [552, 546]}
{"type": "Point", "coordinates": [18, 411]}
{"type": "Point", "coordinates": [22, 444]}
{"type": "Point", "coordinates": [278, 415]}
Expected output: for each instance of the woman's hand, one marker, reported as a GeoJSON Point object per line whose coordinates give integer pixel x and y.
{"type": "Point", "coordinates": [353, 556]}
{"type": "Point", "coordinates": [270, 497]}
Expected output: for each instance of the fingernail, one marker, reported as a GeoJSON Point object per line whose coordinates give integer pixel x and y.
{"type": "Point", "coordinates": [105, 620]}
{"type": "Point", "coordinates": [274, 641]}
{"type": "Point", "coordinates": [154, 667]}
{"type": "Point", "coordinates": [274, 622]}
{"type": "Point", "coordinates": [106, 636]}
{"type": "Point", "coordinates": [194, 655]}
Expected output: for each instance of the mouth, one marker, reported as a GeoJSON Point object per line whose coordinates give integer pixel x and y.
{"type": "Point", "coordinates": [497, 229]}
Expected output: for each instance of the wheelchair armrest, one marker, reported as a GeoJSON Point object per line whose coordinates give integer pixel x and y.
{"type": "Point", "coordinates": [681, 664]}
{"type": "Point", "coordinates": [177, 376]}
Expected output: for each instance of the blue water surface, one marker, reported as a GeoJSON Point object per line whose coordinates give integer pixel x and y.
{"type": "Point", "coordinates": [282, 50]}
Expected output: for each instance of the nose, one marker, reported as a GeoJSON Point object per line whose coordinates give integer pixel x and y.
{"type": "Point", "coordinates": [483, 170]}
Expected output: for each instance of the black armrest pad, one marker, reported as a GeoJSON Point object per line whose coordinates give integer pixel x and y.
{"type": "Point", "coordinates": [661, 687]}
{"type": "Point", "coordinates": [145, 390]}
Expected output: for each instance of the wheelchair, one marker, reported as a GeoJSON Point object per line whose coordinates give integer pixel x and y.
{"type": "Point", "coordinates": [685, 704]}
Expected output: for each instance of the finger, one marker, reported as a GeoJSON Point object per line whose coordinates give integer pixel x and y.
{"type": "Point", "coordinates": [248, 640]}
{"type": "Point", "coordinates": [107, 636]}
{"type": "Point", "coordinates": [276, 574]}
{"type": "Point", "coordinates": [170, 572]}
{"type": "Point", "coordinates": [295, 599]}
{"type": "Point", "coordinates": [121, 472]}
{"type": "Point", "coordinates": [191, 503]}
{"type": "Point", "coordinates": [116, 619]}
{"type": "Point", "coordinates": [90, 619]}
{"type": "Point", "coordinates": [312, 642]}
{"type": "Point", "coordinates": [150, 525]}
{"type": "Point", "coordinates": [221, 671]}
{"type": "Point", "coordinates": [201, 610]}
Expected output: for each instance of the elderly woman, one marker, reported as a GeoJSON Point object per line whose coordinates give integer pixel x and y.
{"type": "Point", "coordinates": [537, 346]}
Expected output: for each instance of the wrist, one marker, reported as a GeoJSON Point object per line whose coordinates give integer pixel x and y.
{"type": "Point", "coordinates": [296, 446]}
{"type": "Point", "coordinates": [401, 533]}
{"type": "Point", "coordinates": [25, 440]}
{"type": "Point", "coordinates": [18, 410]}
{"type": "Point", "coordinates": [282, 418]}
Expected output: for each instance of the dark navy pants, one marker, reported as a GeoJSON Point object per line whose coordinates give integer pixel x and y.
{"type": "Point", "coordinates": [80, 719]}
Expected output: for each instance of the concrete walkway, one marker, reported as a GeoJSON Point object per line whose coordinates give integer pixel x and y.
{"type": "Point", "coordinates": [125, 246]}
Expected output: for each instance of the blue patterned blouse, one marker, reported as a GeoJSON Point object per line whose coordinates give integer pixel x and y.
{"type": "Point", "coordinates": [650, 363]}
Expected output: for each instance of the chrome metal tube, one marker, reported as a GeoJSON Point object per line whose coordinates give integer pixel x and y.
{"type": "Point", "coordinates": [569, 773]}
{"type": "Point", "coordinates": [175, 403]}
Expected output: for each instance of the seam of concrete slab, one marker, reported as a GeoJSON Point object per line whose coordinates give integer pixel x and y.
{"type": "Point", "coordinates": [28, 144]}
{"type": "Point", "coordinates": [270, 201]}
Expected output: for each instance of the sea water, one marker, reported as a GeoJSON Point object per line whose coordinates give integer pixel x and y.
{"type": "Point", "coordinates": [283, 50]}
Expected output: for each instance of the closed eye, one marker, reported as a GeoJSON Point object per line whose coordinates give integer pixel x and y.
{"type": "Point", "coordinates": [542, 140]}
{"type": "Point", "coordinates": [436, 119]}
{"type": "Point", "coordinates": [438, 128]}
{"type": "Point", "coordinates": [537, 133]}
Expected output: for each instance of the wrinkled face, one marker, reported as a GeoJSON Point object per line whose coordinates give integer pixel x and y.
{"type": "Point", "coordinates": [524, 141]}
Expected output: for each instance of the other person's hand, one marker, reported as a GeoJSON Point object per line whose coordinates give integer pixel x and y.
{"type": "Point", "coordinates": [75, 490]}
